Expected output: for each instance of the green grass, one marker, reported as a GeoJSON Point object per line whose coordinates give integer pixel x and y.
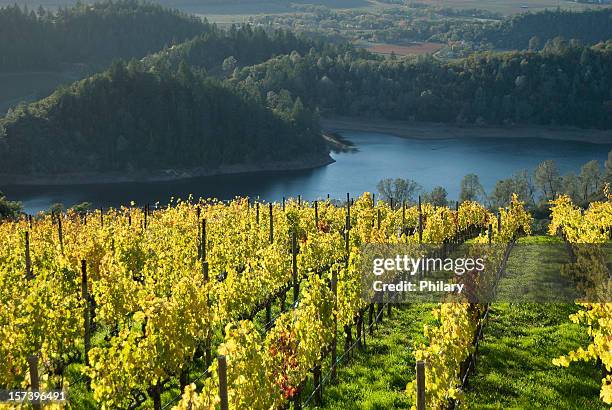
{"type": "Point", "coordinates": [377, 378]}
{"type": "Point", "coordinates": [533, 273]}
{"type": "Point", "coordinates": [514, 368]}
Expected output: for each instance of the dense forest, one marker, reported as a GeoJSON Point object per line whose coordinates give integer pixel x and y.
{"type": "Point", "coordinates": [128, 118]}
{"type": "Point", "coordinates": [92, 34]}
{"type": "Point", "coordinates": [220, 52]}
{"type": "Point", "coordinates": [248, 96]}
{"type": "Point", "coordinates": [564, 84]}
{"type": "Point", "coordinates": [533, 30]}
{"type": "Point", "coordinates": [479, 29]}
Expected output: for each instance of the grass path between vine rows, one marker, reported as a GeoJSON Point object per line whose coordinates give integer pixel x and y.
{"type": "Point", "coordinates": [514, 368]}
{"type": "Point", "coordinates": [377, 378]}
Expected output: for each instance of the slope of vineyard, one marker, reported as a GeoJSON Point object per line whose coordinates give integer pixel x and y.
{"type": "Point", "coordinates": [377, 376]}
{"type": "Point", "coordinates": [162, 290]}
{"type": "Point", "coordinates": [514, 362]}
{"type": "Point", "coordinates": [586, 233]}
{"type": "Point", "coordinates": [448, 353]}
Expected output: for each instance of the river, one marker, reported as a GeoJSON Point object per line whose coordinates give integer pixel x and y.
{"type": "Point", "coordinates": [378, 156]}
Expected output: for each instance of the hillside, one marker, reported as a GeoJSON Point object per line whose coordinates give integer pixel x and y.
{"type": "Point", "coordinates": [89, 34]}
{"type": "Point", "coordinates": [127, 119]}
{"type": "Point", "coordinates": [244, 46]}
{"type": "Point", "coordinates": [565, 85]}
{"type": "Point", "coordinates": [533, 30]}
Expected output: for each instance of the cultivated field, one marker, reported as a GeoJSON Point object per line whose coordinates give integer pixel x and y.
{"type": "Point", "coordinates": [405, 50]}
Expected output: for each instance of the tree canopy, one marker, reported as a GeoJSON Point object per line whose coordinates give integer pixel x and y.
{"type": "Point", "coordinates": [93, 34]}
{"type": "Point", "coordinates": [129, 118]}
{"type": "Point", "coordinates": [565, 84]}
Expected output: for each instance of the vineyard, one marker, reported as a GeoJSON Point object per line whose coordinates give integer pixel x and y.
{"type": "Point", "coordinates": [240, 305]}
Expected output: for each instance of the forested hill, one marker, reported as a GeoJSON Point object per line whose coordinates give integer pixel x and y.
{"type": "Point", "coordinates": [237, 47]}
{"type": "Point", "coordinates": [531, 30]}
{"type": "Point", "coordinates": [562, 85]}
{"type": "Point", "coordinates": [130, 119]}
{"type": "Point", "coordinates": [89, 33]}
{"type": "Point", "coordinates": [589, 27]}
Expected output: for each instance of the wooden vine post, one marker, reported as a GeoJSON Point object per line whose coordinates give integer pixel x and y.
{"type": "Point", "coordinates": [146, 215]}
{"type": "Point", "coordinates": [205, 277]}
{"type": "Point", "coordinates": [403, 216]}
{"type": "Point", "coordinates": [222, 373]}
{"type": "Point", "coordinates": [282, 299]}
{"type": "Point", "coordinates": [318, 385]}
{"type": "Point", "coordinates": [257, 213]}
{"type": "Point", "coordinates": [60, 233]}
{"type": "Point", "coordinates": [371, 318]}
{"type": "Point", "coordinates": [348, 210]}
{"type": "Point", "coordinates": [316, 210]}
{"type": "Point", "coordinates": [203, 251]}
{"type": "Point", "coordinates": [271, 224]}
{"type": "Point", "coordinates": [86, 318]}
{"type": "Point", "coordinates": [268, 313]}
{"type": "Point", "coordinates": [420, 221]}
{"type": "Point", "coordinates": [347, 243]}
{"type": "Point", "coordinates": [334, 346]}
{"type": "Point", "coordinates": [347, 328]}
{"type": "Point", "coordinates": [358, 329]}
{"type": "Point", "coordinates": [420, 377]}
{"type": "Point", "coordinates": [34, 380]}
{"type": "Point", "coordinates": [28, 258]}
{"type": "Point", "coordinates": [296, 284]}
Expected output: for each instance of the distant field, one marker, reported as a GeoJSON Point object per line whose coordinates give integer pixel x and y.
{"type": "Point", "coordinates": [16, 87]}
{"type": "Point", "coordinates": [507, 7]}
{"type": "Point", "coordinates": [405, 50]}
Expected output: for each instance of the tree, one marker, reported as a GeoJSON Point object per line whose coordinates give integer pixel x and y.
{"type": "Point", "coordinates": [534, 43]}
{"type": "Point", "coordinates": [437, 196]}
{"type": "Point", "coordinates": [9, 209]}
{"type": "Point", "coordinates": [571, 186]}
{"type": "Point", "coordinates": [519, 184]}
{"type": "Point", "coordinates": [548, 179]}
{"type": "Point", "coordinates": [398, 190]}
{"type": "Point", "coordinates": [82, 207]}
{"type": "Point", "coordinates": [590, 178]}
{"type": "Point", "coordinates": [523, 186]}
{"type": "Point", "coordinates": [471, 188]}
{"type": "Point", "coordinates": [608, 169]}
{"type": "Point", "coordinates": [503, 190]}
{"type": "Point", "coordinates": [229, 64]}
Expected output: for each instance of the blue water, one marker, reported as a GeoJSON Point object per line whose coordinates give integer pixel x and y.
{"type": "Point", "coordinates": [430, 163]}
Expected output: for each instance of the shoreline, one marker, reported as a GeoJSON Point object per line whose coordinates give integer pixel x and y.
{"type": "Point", "coordinates": [435, 131]}
{"type": "Point", "coordinates": [165, 175]}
